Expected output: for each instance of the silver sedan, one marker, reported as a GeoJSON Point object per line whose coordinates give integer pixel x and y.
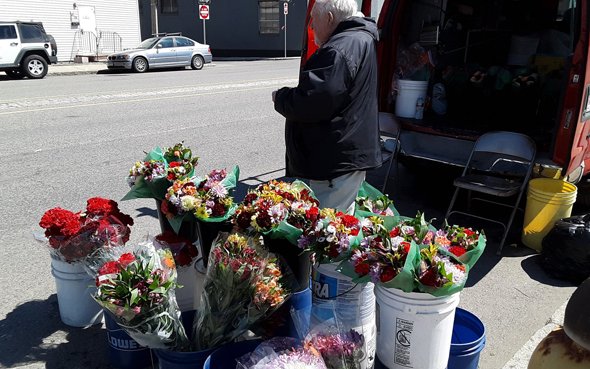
{"type": "Point", "coordinates": [162, 52]}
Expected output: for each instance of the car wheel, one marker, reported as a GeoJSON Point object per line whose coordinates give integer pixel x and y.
{"type": "Point", "coordinates": [140, 64]}
{"type": "Point", "coordinates": [15, 74]}
{"type": "Point", "coordinates": [197, 62]}
{"type": "Point", "coordinates": [34, 67]}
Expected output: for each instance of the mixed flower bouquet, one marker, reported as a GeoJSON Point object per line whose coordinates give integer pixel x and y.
{"type": "Point", "coordinates": [73, 236]}
{"type": "Point", "coordinates": [465, 243]}
{"type": "Point", "coordinates": [278, 209]}
{"type": "Point", "coordinates": [439, 273]}
{"type": "Point", "coordinates": [382, 257]}
{"type": "Point", "coordinates": [282, 353]}
{"type": "Point", "coordinates": [151, 177]}
{"type": "Point", "coordinates": [243, 285]}
{"type": "Point", "coordinates": [340, 350]}
{"type": "Point", "coordinates": [370, 201]}
{"type": "Point", "coordinates": [333, 237]}
{"type": "Point", "coordinates": [135, 284]}
{"type": "Point", "coordinates": [413, 256]}
{"type": "Point", "coordinates": [207, 199]}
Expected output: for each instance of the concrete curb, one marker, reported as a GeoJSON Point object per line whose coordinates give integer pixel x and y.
{"type": "Point", "coordinates": [520, 360]}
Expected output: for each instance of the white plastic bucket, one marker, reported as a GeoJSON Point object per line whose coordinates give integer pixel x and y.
{"type": "Point", "coordinates": [191, 280]}
{"type": "Point", "coordinates": [75, 289]}
{"type": "Point", "coordinates": [414, 330]}
{"type": "Point", "coordinates": [408, 93]}
{"type": "Point", "coordinates": [354, 304]}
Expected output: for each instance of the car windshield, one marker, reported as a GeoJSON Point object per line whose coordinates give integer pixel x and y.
{"type": "Point", "coordinates": [149, 43]}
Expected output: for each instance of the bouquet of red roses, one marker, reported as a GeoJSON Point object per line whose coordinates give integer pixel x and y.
{"type": "Point", "coordinates": [278, 209]}
{"type": "Point", "coordinates": [135, 284]}
{"type": "Point", "coordinates": [207, 199]}
{"type": "Point", "coordinates": [242, 286]}
{"type": "Point", "coordinates": [334, 236]}
{"type": "Point", "coordinates": [151, 177]}
{"type": "Point", "coordinates": [73, 236]}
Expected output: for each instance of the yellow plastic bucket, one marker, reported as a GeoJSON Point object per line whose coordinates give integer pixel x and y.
{"type": "Point", "coordinates": [548, 200]}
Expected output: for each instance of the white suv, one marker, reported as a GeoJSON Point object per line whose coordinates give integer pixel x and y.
{"type": "Point", "coordinates": [26, 49]}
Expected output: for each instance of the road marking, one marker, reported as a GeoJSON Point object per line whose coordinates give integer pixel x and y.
{"type": "Point", "coordinates": [148, 90]}
{"type": "Point", "coordinates": [130, 101]}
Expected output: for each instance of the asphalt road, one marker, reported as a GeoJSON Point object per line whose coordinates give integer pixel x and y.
{"type": "Point", "coordinates": [64, 139]}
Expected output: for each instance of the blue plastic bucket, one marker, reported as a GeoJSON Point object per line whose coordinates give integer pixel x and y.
{"type": "Point", "coordinates": [225, 357]}
{"type": "Point", "coordinates": [124, 351]}
{"type": "Point", "coordinates": [281, 323]}
{"type": "Point", "coordinates": [469, 338]}
{"type": "Point", "coordinates": [168, 359]}
{"type": "Point", "coordinates": [182, 360]}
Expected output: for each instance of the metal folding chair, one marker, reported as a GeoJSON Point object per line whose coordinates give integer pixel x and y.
{"type": "Point", "coordinates": [499, 165]}
{"type": "Point", "coordinates": [389, 130]}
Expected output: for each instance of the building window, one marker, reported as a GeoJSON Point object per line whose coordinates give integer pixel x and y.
{"type": "Point", "coordinates": [169, 6]}
{"type": "Point", "coordinates": [268, 16]}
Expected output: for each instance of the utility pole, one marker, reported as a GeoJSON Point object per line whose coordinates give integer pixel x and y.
{"type": "Point", "coordinates": [154, 12]}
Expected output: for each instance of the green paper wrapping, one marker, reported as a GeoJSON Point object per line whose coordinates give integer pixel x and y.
{"type": "Point", "coordinates": [229, 182]}
{"type": "Point", "coordinates": [285, 230]}
{"type": "Point", "coordinates": [155, 189]}
{"type": "Point", "coordinates": [404, 281]}
{"type": "Point", "coordinates": [445, 290]}
{"type": "Point", "coordinates": [372, 193]}
{"type": "Point", "coordinates": [472, 256]}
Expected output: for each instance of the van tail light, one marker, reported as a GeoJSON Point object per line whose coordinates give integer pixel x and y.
{"type": "Point", "coordinates": [209, 49]}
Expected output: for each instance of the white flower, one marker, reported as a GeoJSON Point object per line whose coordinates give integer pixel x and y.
{"type": "Point", "coordinates": [188, 203]}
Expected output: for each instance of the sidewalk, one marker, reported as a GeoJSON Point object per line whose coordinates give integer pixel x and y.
{"type": "Point", "coordinates": [65, 69]}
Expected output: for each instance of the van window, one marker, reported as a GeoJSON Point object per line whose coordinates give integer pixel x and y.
{"type": "Point", "coordinates": [7, 32]}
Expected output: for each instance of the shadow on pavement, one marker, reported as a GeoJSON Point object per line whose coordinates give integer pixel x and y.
{"type": "Point", "coordinates": [34, 333]}
{"type": "Point", "coordinates": [534, 270]}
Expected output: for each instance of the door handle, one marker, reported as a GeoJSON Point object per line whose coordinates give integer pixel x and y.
{"type": "Point", "coordinates": [13, 43]}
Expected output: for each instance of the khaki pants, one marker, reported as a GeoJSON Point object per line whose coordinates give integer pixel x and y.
{"type": "Point", "coordinates": [339, 193]}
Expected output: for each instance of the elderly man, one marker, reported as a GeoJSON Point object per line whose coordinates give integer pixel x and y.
{"type": "Point", "coordinates": [331, 132]}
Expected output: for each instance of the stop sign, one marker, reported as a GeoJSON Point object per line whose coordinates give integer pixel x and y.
{"type": "Point", "coordinates": [204, 11]}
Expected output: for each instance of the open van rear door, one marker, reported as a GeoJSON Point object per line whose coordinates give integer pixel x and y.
{"type": "Point", "coordinates": [578, 135]}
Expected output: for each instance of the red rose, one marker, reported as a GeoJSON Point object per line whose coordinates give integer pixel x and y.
{"type": "Point", "coordinates": [312, 213]}
{"type": "Point", "coordinates": [126, 259]}
{"type": "Point", "coordinates": [349, 221]}
{"type": "Point", "coordinates": [457, 250]}
{"type": "Point", "coordinates": [394, 232]}
{"type": "Point", "coordinates": [174, 164]}
{"type": "Point", "coordinates": [110, 267]}
{"type": "Point", "coordinates": [468, 232]}
{"type": "Point", "coordinates": [243, 219]}
{"type": "Point", "coordinates": [101, 206]}
{"type": "Point", "coordinates": [406, 246]}
{"type": "Point", "coordinates": [387, 274]}
{"type": "Point", "coordinates": [362, 269]}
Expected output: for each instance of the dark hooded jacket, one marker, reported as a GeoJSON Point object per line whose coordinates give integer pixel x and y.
{"type": "Point", "coordinates": [331, 116]}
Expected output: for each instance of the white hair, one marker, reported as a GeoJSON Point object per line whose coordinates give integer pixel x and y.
{"type": "Point", "coordinates": [340, 9]}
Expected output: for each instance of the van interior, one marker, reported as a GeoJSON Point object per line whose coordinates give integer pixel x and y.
{"type": "Point", "coordinates": [490, 65]}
